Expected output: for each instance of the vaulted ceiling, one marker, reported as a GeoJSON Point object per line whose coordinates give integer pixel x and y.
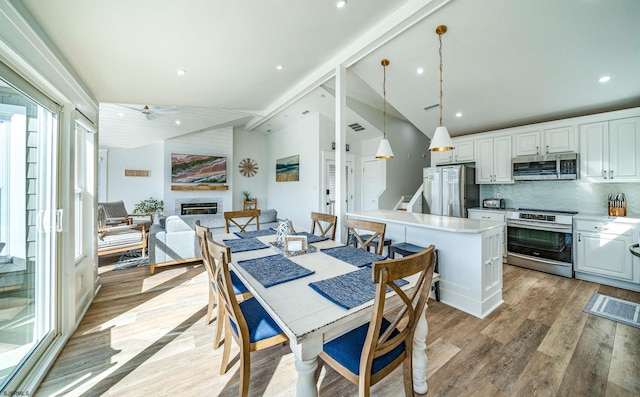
{"type": "Point", "coordinates": [506, 63]}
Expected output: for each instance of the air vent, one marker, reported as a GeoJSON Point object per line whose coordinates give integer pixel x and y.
{"type": "Point", "coordinates": [356, 127]}
{"type": "Point", "coordinates": [432, 106]}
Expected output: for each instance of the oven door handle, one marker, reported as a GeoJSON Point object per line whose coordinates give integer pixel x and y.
{"type": "Point", "coordinates": [540, 226]}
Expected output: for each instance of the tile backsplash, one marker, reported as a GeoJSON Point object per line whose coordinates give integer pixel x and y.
{"type": "Point", "coordinates": [586, 198]}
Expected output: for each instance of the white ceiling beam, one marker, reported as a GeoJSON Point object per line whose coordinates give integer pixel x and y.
{"type": "Point", "coordinates": [405, 17]}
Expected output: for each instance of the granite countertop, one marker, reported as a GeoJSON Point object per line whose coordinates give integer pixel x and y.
{"type": "Point", "coordinates": [437, 222]}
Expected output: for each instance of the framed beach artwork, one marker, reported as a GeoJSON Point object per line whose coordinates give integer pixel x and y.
{"type": "Point", "coordinates": [288, 169]}
{"type": "Point", "coordinates": [198, 169]}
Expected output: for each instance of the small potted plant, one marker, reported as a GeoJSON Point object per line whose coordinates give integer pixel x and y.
{"type": "Point", "coordinates": [149, 206]}
{"type": "Point", "coordinates": [247, 195]}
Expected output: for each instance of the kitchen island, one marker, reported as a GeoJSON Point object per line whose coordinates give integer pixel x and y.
{"type": "Point", "coordinates": [469, 254]}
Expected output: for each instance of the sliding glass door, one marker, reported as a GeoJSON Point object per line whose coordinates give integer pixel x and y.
{"type": "Point", "coordinates": [28, 226]}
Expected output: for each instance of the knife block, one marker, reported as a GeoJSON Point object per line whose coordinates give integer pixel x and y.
{"type": "Point", "coordinates": [618, 211]}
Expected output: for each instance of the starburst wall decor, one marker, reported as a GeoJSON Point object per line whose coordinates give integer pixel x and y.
{"type": "Point", "coordinates": [248, 167]}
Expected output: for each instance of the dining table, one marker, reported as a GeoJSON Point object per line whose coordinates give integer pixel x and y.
{"type": "Point", "coordinates": [293, 297]}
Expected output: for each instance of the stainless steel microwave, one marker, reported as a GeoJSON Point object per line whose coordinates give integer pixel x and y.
{"type": "Point", "coordinates": [563, 166]}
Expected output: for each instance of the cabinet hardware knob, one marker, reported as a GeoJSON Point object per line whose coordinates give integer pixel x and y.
{"type": "Point", "coordinates": [547, 148]}
{"type": "Point", "coordinates": [579, 236]}
{"type": "Point", "coordinates": [610, 174]}
{"type": "Point", "coordinates": [537, 149]}
{"type": "Point", "coordinates": [604, 174]}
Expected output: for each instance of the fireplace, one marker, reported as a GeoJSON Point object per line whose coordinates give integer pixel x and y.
{"type": "Point", "coordinates": [198, 205]}
{"type": "Point", "coordinates": [198, 208]}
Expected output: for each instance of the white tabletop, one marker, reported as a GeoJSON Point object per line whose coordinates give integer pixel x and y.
{"type": "Point", "coordinates": [427, 221]}
{"type": "Point", "coordinates": [298, 309]}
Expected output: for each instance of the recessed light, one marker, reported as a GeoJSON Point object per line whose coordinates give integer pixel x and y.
{"type": "Point", "coordinates": [458, 114]}
{"type": "Point", "coordinates": [121, 114]}
{"type": "Point", "coordinates": [181, 72]}
{"type": "Point", "coordinates": [178, 122]}
{"type": "Point", "coordinates": [420, 70]}
{"type": "Point", "coordinates": [280, 67]}
{"type": "Point", "coordinates": [604, 79]}
{"type": "Point", "coordinates": [341, 3]}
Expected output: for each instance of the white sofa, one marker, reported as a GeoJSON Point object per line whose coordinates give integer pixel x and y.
{"type": "Point", "coordinates": [173, 240]}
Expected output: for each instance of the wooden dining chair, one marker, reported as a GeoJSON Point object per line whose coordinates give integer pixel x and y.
{"type": "Point", "coordinates": [326, 224]}
{"type": "Point", "coordinates": [372, 351]}
{"type": "Point", "coordinates": [376, 234]}
{"type": "Point", "coordinates": [246, 322]}
{"type": "Point", "coordinates": [238, 217]}
{"type": "Point", "coordinates": [203, 235]}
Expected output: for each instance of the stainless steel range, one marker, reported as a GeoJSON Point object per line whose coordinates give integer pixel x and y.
{"type": "Point", "coordinates": [541, 240]}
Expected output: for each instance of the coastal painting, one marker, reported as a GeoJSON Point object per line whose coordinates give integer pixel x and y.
{"type": "Point", "coordinates": [194, 168]}
{"type": "Point", "coordinates": [288, 169]}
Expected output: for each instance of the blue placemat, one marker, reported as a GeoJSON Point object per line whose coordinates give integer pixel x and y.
{"type": "Point", "coordinates": [312, 238]}
{"type": "Point", "coordinates": [355, 256]}
{"type": "Point", "coordinates": [273, 270]}
{"type": "Point", "coordinates": [255, 233]}
{"type": "Point", "coordinates": [245, 244]}
{"type": "Point", "coordinates": [351, 289]}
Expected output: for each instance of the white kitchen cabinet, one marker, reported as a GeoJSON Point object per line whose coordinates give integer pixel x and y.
{"type": "Point", "coordinates": [548, 141]}
{"type": "Point", "coordinates": [610, 151]}
{"type": "Point", "coordinates": [559, 140]}
{"type": "Point", "coordinates": [462, 153]}
{"type": "Point", "coordinates": [526, 143]}
{"type": "Point", "coordinates": [602, 250]}
{"type": "Point", "coordinates": [493, 160]}
{"type": "Point", "coordinates": [495, 216]}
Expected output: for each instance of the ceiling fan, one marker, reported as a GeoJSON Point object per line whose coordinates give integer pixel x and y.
{"type": "Point", "coordinates": [151, 113]}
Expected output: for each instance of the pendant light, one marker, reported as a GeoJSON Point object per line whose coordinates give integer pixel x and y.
{"type": "Point", "coordinates": [384, 150]}
{"type": "Point", "coordinates": [441, 140]}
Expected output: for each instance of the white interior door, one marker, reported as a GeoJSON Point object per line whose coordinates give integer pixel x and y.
{"type": "Point", "coordinates": [372, 183]}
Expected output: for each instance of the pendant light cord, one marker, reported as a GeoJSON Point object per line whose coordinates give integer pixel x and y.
{"type": "Point", "coordinates": [384, 105]}
{"type": "Point", "coordinates": [440, 38]}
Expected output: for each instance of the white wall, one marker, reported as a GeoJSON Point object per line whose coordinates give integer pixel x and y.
{"type": "Point", "coordinates": [295, 200]}
{"type": "Point", "coordinates": [404, 171]}
{"type": "Point", "coordinates": [251, 145]}
{"type": "Point", "coordinates": [132, 189]}
{"type": "Point", "coordinates": [217, 142]}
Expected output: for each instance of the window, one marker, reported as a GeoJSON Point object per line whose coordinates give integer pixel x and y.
{"type": "Point", "coordinates": [83, 187]}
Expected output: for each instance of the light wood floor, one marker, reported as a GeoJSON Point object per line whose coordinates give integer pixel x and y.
{"type": "Point", "coordinates": [145, 336]}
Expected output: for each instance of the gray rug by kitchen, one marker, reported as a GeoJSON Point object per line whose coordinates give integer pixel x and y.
{"type": "Point", "coordinates": [131, 259]}
{"type": "Point", "coordinates": [614, 309]}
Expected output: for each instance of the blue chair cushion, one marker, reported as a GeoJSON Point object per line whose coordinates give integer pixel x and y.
{"type": "Point", "coordinates": [408, 247]}
{"type": "Point", "coordinates": [238, 287]}
{"type": "Point", "coordinates": [365, 237]}
{"type": "Point", "coordinates": [261, 325]}
{"type": "Point", "coordinates": [347, 349]}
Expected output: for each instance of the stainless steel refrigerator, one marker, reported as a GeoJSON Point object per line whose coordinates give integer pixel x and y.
{"type": "Point", "coordinates": [450, 190]}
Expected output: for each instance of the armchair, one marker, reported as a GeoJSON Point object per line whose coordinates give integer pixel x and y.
{"type": "Point", "coordinates": [121, 234]}
{"type": "Point", "coordinates": [116, 213]}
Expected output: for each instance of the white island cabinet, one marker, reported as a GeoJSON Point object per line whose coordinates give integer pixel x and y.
{"type": "Point", "coordinates": [469, 254]}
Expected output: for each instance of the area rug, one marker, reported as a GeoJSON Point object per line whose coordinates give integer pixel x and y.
{"type": "Point", "coordinates": [131, 259]}
{"type": "Point", "coordinates": [614, 309]}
